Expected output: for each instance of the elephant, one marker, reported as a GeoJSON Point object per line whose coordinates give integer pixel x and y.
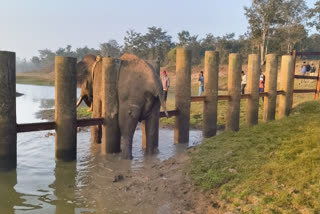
{"type": "Point", "coordinates": [139, 97]}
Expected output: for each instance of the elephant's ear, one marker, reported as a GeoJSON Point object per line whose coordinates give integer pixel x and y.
{"type": "Point", "coordinates": [82, 72]}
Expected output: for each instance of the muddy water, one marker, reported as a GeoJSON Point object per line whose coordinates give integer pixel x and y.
{"type": "Point", "coordinates": [41, 185]}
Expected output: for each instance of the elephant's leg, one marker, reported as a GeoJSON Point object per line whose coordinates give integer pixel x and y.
{"type": "Point", "coordinates": [96, 131]}
{"type": "Point", "coordinates": [152, 128]}
{"type": "Point", "coordinates": [128, 120]}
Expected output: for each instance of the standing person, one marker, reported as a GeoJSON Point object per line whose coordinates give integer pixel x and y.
{"type": "Point", "coordinates": [165, 84]}
{"type": "Point", "coordinates": [313, 69]}
{"type": "Point", "coordinates": [261, 84]}
{"type": "Point", "coordinates": [243, 81]}
{"type": "Point", "coordinates": [201, 83]}
{"type": "Point", "coordinates": [304, 68]}
{"type": "Point", "coordinates": [308, 67]}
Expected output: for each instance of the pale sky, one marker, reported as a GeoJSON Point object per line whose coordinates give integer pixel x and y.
{"type": "Point", "coordinates": [30, 25]}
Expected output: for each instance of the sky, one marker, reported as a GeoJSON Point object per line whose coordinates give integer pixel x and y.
{"type": "Point", "coordinates": [30, 25]}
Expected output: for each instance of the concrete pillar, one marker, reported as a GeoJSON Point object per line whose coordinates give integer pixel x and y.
{"type": "Point", "coordinates": [110, 108]}
{"type": "Point", "coordinates": [210, 106]}
{"type": "Point", "coordinates": [8, 132]}
{"type": "Point", "coordinates": [65, 108]}
{"type": "Point", "coordinates": [234, 91]}
{"type": "Point", "coordinates": [270, 101]}
{"type": "Point", "coordinates": [253, 76]}
{"type": "Point", "coordinates": [183, 95]}
{"type": "Point", "coordinates": [286, 85]}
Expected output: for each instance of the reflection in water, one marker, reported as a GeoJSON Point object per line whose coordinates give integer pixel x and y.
{"type": "Point", "coordinates": [46, 103]}
{"type": "Point", "coordinates": [64, 187]}
{"type": "Point", "coordinates": [9, 198]}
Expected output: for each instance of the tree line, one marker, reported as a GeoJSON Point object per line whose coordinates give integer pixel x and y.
{"type": "Point", "coordinates": [275, 26]}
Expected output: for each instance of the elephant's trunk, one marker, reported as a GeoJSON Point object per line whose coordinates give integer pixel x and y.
{"type": "Point", "coordinates": [79, 101]}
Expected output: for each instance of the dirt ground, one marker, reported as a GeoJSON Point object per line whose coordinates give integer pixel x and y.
{"type": "Point", "coordinates": [161, 188]}
{"type": "Point", "coordinates": [166, 185]}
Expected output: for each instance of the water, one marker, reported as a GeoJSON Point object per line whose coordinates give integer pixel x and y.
{"type": "Point", "coordinates": [41, 185]}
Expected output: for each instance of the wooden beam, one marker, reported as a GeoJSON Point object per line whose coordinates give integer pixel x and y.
{"type": "Point", "coordinates": [197, 98]}
{"type": "Point", "coordinates": [307, 53]}
{"type": "Point", "coordinates": [90, 122]}
{"type": "Point", "coordinates": [42, 126]}
{"type": "Point", "coordinates": [30, 127]}
{"type": "Point", "coordinates": [299, 91]}
{"type": "Point", "coordinates": [305, 77]}
{"type": "Point", "coordinates": [223, 97]}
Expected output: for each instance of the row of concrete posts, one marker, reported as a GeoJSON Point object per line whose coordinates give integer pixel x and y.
{"type": "Point", "coordinates": [65, 99]}
{"type": "Point", "coordinates": [65, 109]}
{"type": "Point", "coordinates": [211, 80]}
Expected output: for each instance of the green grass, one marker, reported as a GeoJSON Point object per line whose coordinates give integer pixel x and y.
{"type": "Point", "coordinates": [270, 168]}
{"type": "Point", "coordinates": [33, 80]}
{"type": "Point", "coordinates": [82, 112]}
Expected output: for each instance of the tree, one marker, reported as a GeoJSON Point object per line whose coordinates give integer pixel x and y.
{"type": "Point", "coordinates": [208, 42]}
{"type": "Point", "coordinates": [65, 52]}
{"type": "Point", "coordinates": [192, 43]}
{"type": "Point", "coordinates": [134, 43]}
{"type": "Point", "coordinates": [225, 45]}
{"type": "Point", "coordinates": [111, 48]}
{"type": "Point", "coordinates": [262, 16]}
{"type": "Point", "coordinates": [314, 16]}
{"type": "Point", "coordinates": [293, 14]}
{"type": "Point", "coordinates": [158, 42]}
{"type": "Point", "coordinates": [312, 43]}
{"type": "Point", "coordinates": [81, 52]}
{"type": "Point", "coordinates": [184, 38]}
{"type": "Point", "coordinates": [36, 61]}
{"type": "Point", "coordinates": [46, 56]}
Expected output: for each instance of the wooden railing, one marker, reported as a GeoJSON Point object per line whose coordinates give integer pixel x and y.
{"type": "Point", "coordinates": [43, 126]}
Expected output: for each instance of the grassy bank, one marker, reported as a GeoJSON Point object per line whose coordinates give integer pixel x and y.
{"type": "Point", "coordinates": [270, 168]}
{"type": "Point", "coordinates": [35, 78]}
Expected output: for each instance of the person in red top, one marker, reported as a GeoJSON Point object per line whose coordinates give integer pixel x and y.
{"type": "Point", "coordinates": [261, 83]}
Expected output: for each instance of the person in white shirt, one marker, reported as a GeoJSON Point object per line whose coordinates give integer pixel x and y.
{"type": "Point", "coordinates": [243, 81]}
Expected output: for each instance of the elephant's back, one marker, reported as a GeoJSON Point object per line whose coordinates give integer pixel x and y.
{"type": "Point", "coordinates": [136, 77]}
